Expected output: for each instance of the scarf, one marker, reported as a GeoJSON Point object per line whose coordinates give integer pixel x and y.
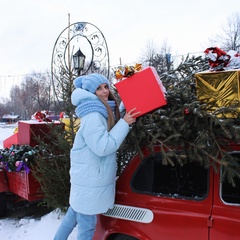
{"type": "Point", "coordinates": [89, 106]}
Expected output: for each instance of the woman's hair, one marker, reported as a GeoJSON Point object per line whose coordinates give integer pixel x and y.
{"type": "Point", "coordinates": [112, 118]}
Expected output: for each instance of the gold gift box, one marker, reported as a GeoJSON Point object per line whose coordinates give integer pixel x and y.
{"type": "Point", "coordinates": [219, 89]}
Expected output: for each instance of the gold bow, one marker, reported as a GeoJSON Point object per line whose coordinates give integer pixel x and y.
{"type": "Point", "coordinates": [127, 71]}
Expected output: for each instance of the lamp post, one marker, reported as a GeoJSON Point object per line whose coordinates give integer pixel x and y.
{"type": "Point", "coordinates": [69, 62]}
{"type": "Point", "coordinates": [79, 61]}
{"type": "Point", "coordinates": [78, 35]}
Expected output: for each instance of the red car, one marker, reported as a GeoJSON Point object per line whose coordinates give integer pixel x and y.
{"type": "Point", "coordinates": [164, 202]}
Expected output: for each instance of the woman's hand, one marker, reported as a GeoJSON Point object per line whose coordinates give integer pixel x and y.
{"type": "Point", "coordinates": [130, 117]}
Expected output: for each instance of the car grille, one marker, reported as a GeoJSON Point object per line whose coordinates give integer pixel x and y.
{"type": "Point", "coordinates": [130, 213]}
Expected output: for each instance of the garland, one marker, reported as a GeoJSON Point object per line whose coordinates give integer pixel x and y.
{"type": "Point", "coordinates": [18, 157]}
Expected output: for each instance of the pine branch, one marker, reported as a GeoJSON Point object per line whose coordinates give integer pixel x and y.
{"type": "Point", "coordinates": [186, 128]}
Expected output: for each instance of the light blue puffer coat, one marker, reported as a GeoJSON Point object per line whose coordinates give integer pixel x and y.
{"type": "Point", "coordinates": [93, 160]}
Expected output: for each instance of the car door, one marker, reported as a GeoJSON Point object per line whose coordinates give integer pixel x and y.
{"type": "Point", "coordinates": [180, 198]}
{"type": "Point", "coordinates": [226, 208]}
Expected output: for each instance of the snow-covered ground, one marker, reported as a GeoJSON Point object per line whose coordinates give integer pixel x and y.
{"type": "Point", "coordinates": [6, 130]}
{"type": "Point", "coordinates": [28, 228]}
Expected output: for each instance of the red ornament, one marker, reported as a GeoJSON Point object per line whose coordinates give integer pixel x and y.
{"type": "Point", "coordinates": [42, 116]}
{"type": "Point", "coordinates": [186, 111]}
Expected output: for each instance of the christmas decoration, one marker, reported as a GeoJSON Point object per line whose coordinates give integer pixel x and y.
{"type": "Point", "coordinates": [219, 89]}
{"type": "Point", "coordinates": [18, 157]}
{"type": "Point", "coordinates": [217, 58]}
{"type": "Point", "coordinates": [143, 91]}
{"type": "Point", "coordinates": [127, 71]}
{"type": "Point", "coordinates": [41, 116]}
{"type": "Point", "coordinates": [184, 128]}
{"type": "Point", "coordinates": [220, 60]}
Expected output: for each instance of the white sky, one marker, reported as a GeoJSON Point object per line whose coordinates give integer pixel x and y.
{"type": "Point", "coordinates": [29, 29]}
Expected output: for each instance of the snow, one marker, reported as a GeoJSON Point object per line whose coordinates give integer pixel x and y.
{"type": "Point", "coordinates": [6, 130]}
{"type": "Point", "coordinates": [29, 228]}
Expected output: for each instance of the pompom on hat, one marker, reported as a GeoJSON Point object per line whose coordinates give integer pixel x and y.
{"type": "Point", "coordinates": [90, 82]}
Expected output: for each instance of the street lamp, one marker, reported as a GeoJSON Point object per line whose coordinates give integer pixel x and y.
{"type": "Point", "coordinates": [79, 61]}
{"type": "Point", "coordinates": [67, 65]}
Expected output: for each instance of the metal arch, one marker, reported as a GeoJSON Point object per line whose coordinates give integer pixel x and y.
{"type": "Point", "coordinates": [61, 59]}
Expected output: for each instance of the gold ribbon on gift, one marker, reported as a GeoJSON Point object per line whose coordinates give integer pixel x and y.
{"type": "Point", "coordinates": [127, 71]}
{"type": "Point", "coordinates": [219, 89]}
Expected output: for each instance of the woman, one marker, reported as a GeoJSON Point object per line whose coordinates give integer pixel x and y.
{"type": "Point", "coordinates": [93, 156]}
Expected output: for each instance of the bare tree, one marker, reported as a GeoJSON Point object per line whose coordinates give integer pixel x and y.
{"type": "Point", "coordinates": [148, 53]}
{"type": "Point", "coordinates": [14, 104]}
{"type": "Point", "coordinates": [3, 109]}
{"type": "Point", "coordinates": [40, 86]}
{"type": "Point", "coordinates": [34, 94]}
{"type": "Point", "coordinates": [229, 39]}
{"type": "Point", "coordinates": [158, 58]}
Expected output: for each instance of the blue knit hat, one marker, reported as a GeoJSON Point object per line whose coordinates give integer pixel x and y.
{"type": "Point", "coordinates": [90, 82]}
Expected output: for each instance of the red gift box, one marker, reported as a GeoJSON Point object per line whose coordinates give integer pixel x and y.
{"type": "Point", "coordinates": [30, 131]}
{"type": "Point", "coordinates": [24, 185]}
{"type": "Point", "coordinates": [8, 142]}
{"type": "Point", "coordinates": [143, 90]}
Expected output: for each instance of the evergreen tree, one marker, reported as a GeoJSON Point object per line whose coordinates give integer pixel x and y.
{"type": "Point", "coordinates": [184, 128]}
{"type": "Point", "coordinates": [51, 167]}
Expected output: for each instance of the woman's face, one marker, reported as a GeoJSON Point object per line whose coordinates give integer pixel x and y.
{"type": "Point", "coordinates": [103, 91]}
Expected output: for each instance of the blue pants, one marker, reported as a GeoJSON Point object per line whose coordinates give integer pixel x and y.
{"type": "Point", "coordinates": [86, 225]}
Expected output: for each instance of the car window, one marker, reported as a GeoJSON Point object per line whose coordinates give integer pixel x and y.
{"type": "Point", "coordinates": [230, 193]}
{"type": "Point", "coordinates": [187, 181]}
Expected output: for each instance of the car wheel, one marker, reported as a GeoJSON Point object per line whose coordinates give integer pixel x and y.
{"type": "Point", "coordinates": [3, 204]}
{"type": "Point", "coordinates": [124, 237]}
